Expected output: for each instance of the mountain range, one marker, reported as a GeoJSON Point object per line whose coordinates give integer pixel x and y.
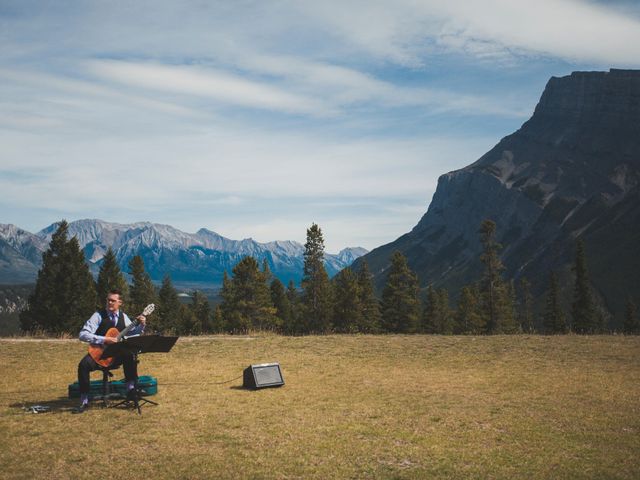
{"type": "Point", "coordinates": [191, 259]}
{"type": "Point", "coordinates": [571, 171]}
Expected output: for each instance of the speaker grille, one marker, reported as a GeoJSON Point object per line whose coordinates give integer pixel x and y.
{"type": "Point", "coordinates": [267, 374]}
{"type": "Point", "coordinates": [263, 375]}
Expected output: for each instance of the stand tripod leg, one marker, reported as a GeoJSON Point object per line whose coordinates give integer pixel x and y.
{"type": "Point", "coordinates": [136, 401]}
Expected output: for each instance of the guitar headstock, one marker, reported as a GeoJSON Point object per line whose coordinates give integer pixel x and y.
{"type": "Point", "coordinates": [148, 309]}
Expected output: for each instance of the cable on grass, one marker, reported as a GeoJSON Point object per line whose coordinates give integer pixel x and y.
{"type": "Point", "coordinates": [203, 383]}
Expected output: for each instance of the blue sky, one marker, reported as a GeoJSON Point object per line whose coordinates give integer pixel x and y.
{"type": "Point", "coordinates": [257, 118]}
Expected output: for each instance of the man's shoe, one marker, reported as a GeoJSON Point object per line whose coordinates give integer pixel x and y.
{"type": "Point", "coordinates": [80, 409]}
{"type": "Point", "coordinates": [132, 395]}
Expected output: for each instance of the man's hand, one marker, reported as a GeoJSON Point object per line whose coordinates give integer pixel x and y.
{"type": "Point", "coordinates": [142, 319]}
{"type": "Point", "coordinates": [110, 340]}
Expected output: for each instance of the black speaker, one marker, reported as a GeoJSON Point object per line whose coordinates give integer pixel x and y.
{"type": "Point", "coordinates": [262, 375]}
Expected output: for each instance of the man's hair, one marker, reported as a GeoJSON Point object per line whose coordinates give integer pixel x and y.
{"type": "Point", "coordinates": [115, 291]}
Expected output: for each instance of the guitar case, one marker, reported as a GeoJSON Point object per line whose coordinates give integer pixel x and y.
{"type": "Point", "coordinates": [147, 385]}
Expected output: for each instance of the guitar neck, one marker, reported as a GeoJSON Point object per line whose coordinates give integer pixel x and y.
{"type": "Point", "coordinates": [134, 323]}
{"type": "Point", "coordinates": [127, 329]}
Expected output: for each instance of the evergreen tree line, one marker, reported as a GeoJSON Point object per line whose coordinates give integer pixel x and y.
{"type": "Point", "coordinates": [66, 294]}
{"type": "Point", "coordinates": [492, 305]}
{"type": "Point", "coordinates": [347, 303]}
{"type": "Point", "coordinates": [253, 299]}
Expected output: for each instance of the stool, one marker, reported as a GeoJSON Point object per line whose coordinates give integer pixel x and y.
{"type": "Point", "coordinates": [106, 385]}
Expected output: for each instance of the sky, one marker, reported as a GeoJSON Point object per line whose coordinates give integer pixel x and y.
{"type": "Point", "coordinates": [255, 119]}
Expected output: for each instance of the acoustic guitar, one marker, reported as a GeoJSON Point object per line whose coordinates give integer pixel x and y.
{"type": "Point", "coordinates": [96, 350]}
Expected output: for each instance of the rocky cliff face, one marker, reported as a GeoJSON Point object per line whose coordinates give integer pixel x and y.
{"type": "Point", "coordinates": [572, 170]}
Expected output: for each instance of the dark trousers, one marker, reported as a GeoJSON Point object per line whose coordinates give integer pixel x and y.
{"type": "Point", "coordinates": [88, 365]}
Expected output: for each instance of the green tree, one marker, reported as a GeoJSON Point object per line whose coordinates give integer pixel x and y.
{"type": "Point", "coordinates": [227, 305]}
{"type": "Point", "coordinates": [247, 301]}
{"type": "Point", "coordinates": [316, 288]}
{"type": "Point", "coordinates": [169, 309]}
{"type": "Point", "coordinates": [347, 314]}
{"type": "Point", "coordinates": [554, 320]}
{"type": "Point", "coordinates": [296, 324]}
{"type": "Point", "coordinates": [64, 296]}
{"type": "Point", "coordinates": [468, 317]}
{"type": "Point", "coordinates": [526, 306]}
{"type": "Point", "coordinates": [429, 311]}
{"type": "Point", "coordinates": [509, 315]}
{"type": "Point", "coordinates": [280, 301]}
{"type": "Point", "coordinates": [583, 308]}
{"type": "Point", "coordinates": [201, 311]}
{"type": "Point", "coordinates": [371, 317]}
{"type": "Point", "coordinates": [400, 304]}
{"type": "Point", "coordinates": [496, 297]}
{"type": "Point", "coordinates": [436, 314]}
{"type": "Point", "coordinates": [445, 315]}
{"type": "Point", "coordinates": [218, 325]}
{"type": "Point", "coordinates": [631, 323]}
{"type": "Point", "coordinates": [142, 291]}
{"type": "Point", "coordinates": [110, 278]}
{"type": "Point", "coordinates": [491, 283]}
{"type": "Point", "coordinates": [187, 323]}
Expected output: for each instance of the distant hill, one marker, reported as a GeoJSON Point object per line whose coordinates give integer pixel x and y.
{"type": "Point", "coordinates": [191, 259]}
{"type": "Point", "coordinates": [572, 170]}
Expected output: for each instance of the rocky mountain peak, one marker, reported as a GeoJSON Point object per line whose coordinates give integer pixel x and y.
{"type": "Point", "coordinates": [572, 170]}
{"type": "Point", "coordinates": [583, 95]}
{"type": "Point", "coordinates": [190, 258]}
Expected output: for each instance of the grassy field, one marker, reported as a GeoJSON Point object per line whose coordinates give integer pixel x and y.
{"type": "Point", "coordinates": [352, 407]}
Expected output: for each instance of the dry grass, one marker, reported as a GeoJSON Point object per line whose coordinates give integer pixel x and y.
{"type": "Point", "coordinates": [352, 407]}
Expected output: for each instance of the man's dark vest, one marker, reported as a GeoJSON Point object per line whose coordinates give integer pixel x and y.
{"type": "Point", "coordinates": [106, 322]}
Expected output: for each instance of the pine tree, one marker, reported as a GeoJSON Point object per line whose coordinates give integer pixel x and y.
{"type": "Point", "coordinates": [110, 278]}
{"type": "Point", "coordinates": [430, 312]}
{"type": "Point", "coordinates": [169, 311]}
{"type": "Point", "coordinates": [400, 305]}
{"type": "Point", "coordinates": [554, 319]}
{"type": "Point", "coordinates": [227, 304]}
{"type": "Point", "coordinates": [295, 325]}
{"type": "Point", "coordinates": [347, 316]}
{"type": "Point", "coordinates": [583, 309]}
{"type": "Point", "coordinates": [201, 311]}
{"type": "Point", "coordinates": [266, 271]}
{"type": "Point", "coordinates": [491, 280]}
{"type": "Point", "coordinates": [371, 318]}
{"type": "Point", "coordinates": [187, 323]}
{"type": "Point", "coordinates": [218, 324]}
{"type": "Point", "coordinates": [444, 314]}
{"type": "Point", "coordinates": [469, 318]}
{"type": "Point", "coordinates": [631, 324]}
{"type": "Point", "coordinates": [507, 316]}
{"type": "Point", "coordinates": [142, 291]}
{"type": "Point", "coordinates": [496, 296]}
{"type": "Point", "coordinates": [64, 295]}
{"type": "Point", "coordinates": [247, 304]}
{"type": "Point", "coordinates": [280, 301]}
{"type": "Point", "coordinates": [316, 289]}
{"type": "Point", "coordinates": [526, 306]}
{"type": "Point", "coordinates": [436, 315]}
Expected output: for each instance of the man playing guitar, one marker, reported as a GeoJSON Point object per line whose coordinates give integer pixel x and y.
{"type": "Point", "coordinates": [99, 331]}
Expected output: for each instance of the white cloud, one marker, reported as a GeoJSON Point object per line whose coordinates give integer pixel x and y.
{"type": "Point", "coordinates": [218, 85]}
{"type": "Point", "coordinates": [570, 29]}
{"type": "Point", "coordinates": [409, 31]}
{"type": "Point", "coordinates": [146, 97]}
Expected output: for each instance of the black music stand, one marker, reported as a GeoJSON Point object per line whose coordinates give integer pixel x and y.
{"type": "Point", "coordinates": [136, 345]}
